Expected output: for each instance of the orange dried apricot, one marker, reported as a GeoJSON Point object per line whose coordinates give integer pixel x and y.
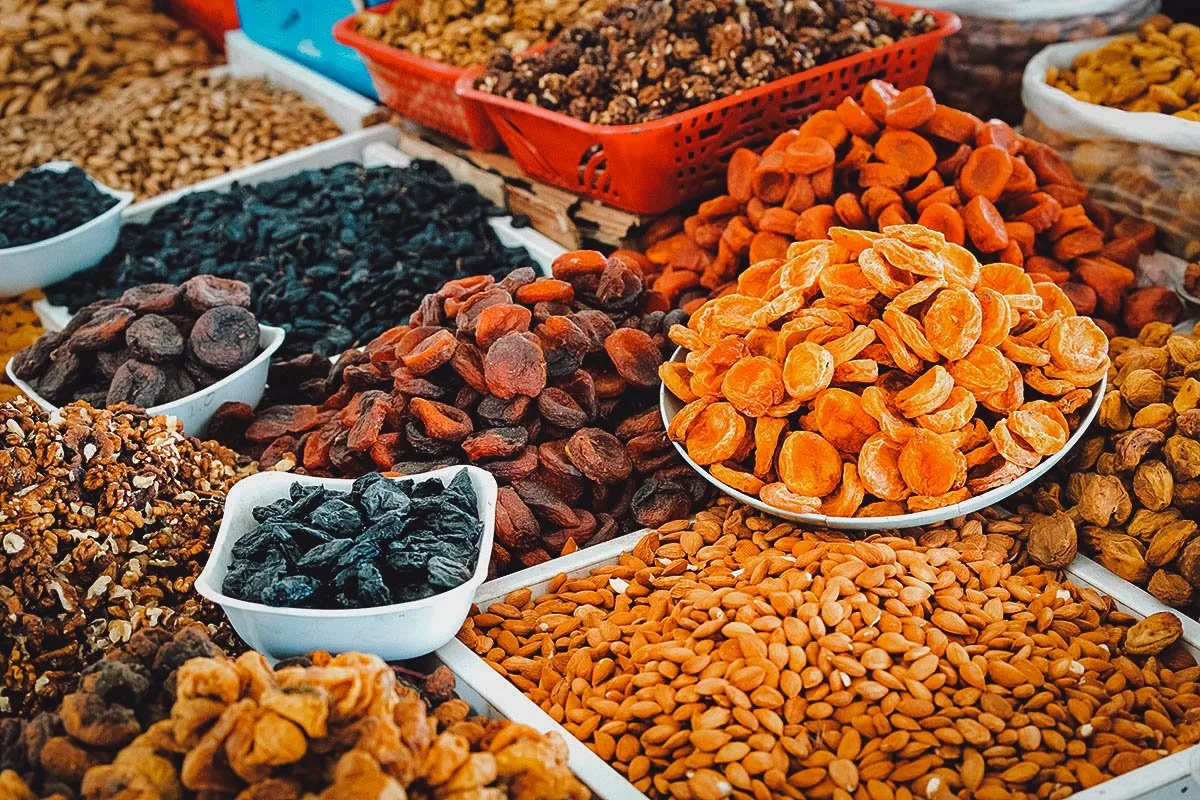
{"type": "Point", "coordinates": [808, 155]}
{"type": "Point", "coordinates": [986, 173]}
{"type": "Point", "coordinates": [957, 412]}
{"type": "Point", "coordinates": [847, 347]}
{"type": "Point", "coordinates": [1012, 448]}
{"type": "Point", "coordinates": [907, 150]}
{"type": "Point", "coordinates": [1041, 431]}
{"type": "Point", "coordinates": [716, 434]}
{"type": "Point", "coordinates": [677, 378]}
{"type": "Point", "coordinates": [985, 225]}
{"type": "Point", "coordinates": [742, 481]}
{"type": "Point", "coordinates": [911, 333]}
{"type": "Point", "coordinates": [753, 385]}
{"type": "Point", "coordinates": [953, 124]}
{"type": "Point", "coordinates": [945, 218]}
{"type": "Point", "coordinates": [838, 414]}
{"type": "Point", "coordinates": [809, 465]}
{"type": "Point", "coordinates": [825, 124]}
{"type": "Point", "coordinates": [849, 497]}
{"type": "Point", "coordinates": [682, 422]}
{"type": "Point", "coordinates": [1078, 344]}
{"type": "Point", "coordinates": [807, 371]}
{"type": "Point", "coordinates": [953, 323]}
{"type": "Point", "coordinates": [927, 463]}
{"type": "Point", "coordinates": [879, 468]}
{"type": "Point", "coordinates": [896, 349]}
{"type": "Point", "coordinates": [739, 179]}
{"type": "Point", "coordinates": [856, 120]}
{"type": "Point", "coordinates": [926, 394]}
{"type": "Point", "coordinates": [780, 496]}
{"type": "Point", "coordinates": [767, 431]}
{"type": "Point", "coordinates": [911, 108]}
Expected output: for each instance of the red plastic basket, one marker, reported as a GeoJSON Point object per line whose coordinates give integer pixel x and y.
{"type": "Point", "coordinates": [652, 167]}
{"type": "Point", "coordinates": [211, 17]}
{"type": "Point", "coordinates": [419, 88]}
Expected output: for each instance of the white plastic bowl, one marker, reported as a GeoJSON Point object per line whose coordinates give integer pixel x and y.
{"type": "Point", "coordinates": [669, 406]}
{"type": "Point", "coordinates": [246, 385]}
{"type": "Point", "coordinates": [398, 631]}
{"type": "Point", "coordinates": [38, 264]}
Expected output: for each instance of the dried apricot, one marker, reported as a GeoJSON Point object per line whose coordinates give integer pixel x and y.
{"type": "Point", "coordinates": [879, 468]}
{"type": "Point", "coordinates": [753, 385]}
{"type": "Point", "coordinates": [1013, 448]}
{"type": "Point", "coordinates": [955, 413]}
{"type": "Point", "coordinates": [807, 371]}
{"type": "Point", "coordinates": [911, 108]}
{"type": "Point", "coordinates": [1078, 344]}
{"type": "Point", "coordinates": [735, 478]}
{"type": "Point", "coordinates": [953, 323]}
{"type": "Point", "coordinates": [849, 497]}
{"type": "Point", "coordinates": [927, 463]}
{"type": "Point", "coordinates": [778, 495]}
{"type": "Point", "coordinates": [838, 414]}
{"type": "Point", "coordinates": [986, 173]}
{"type": "Point", "coordinates": [911, 333]}
{"type": "Point", "coordinates": [809, 465]}
{"type": "Point", "coordinates": [682, 422]}
{"type": "Point", "coordinates": [808, 155]}
{"type": "Point", "coordinates": [985, 225]}
{"type": "Point", "coordinates": [907, 150]}
{"type": "Point", "coordinates": [856, 120]}
{"type": "Point", "coordinates": [926, 394]}
{"type": "Point", "coordinates": [1042, 432]}
{"type": "Point", "coordinates": [825, 124]}
{"type": "Point", "coordinates": [677, 378]}
{"type": "Point", "coordinates": [767, 431]}
{"type": "Point", "coordinates": [716, 434]}
{"type": "Point", "coordinates": [740, 176]}
{"type": "Point", "coordinates": [945, 218]}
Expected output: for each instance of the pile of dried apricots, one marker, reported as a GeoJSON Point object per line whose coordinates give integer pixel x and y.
{"type": "Point", "coordinates": [881, 373]}
{"type": "Point", "coordinates": [897, 157]}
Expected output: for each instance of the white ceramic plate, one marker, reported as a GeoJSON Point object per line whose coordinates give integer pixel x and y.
{"type": "Point", "coordinates": [670, 405]}
{"type": "Point", "coordinates": [393, 632]}
{"type": "Point", "coordinates": [246, 385]}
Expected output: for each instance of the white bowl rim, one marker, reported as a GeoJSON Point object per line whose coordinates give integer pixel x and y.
{"type": "Point", "coordinates": [273, 335]}
{"type": "Point", "coordinates": [894, 521]}
{"type": "Point", "coordinates": [124, 198]}
{"type": "Point", "coordinates": [204, 585]}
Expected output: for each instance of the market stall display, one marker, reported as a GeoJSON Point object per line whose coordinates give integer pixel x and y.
{"type": "Point", "coordinates": [893, 157]}
{"type": "Point", "coordinates": [880, 374]}
{"type": "Point", "coordinates": [1124, 113]}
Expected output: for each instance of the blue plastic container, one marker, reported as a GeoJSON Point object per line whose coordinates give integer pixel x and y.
{"type": "Point", "coordinates": [302, 30]}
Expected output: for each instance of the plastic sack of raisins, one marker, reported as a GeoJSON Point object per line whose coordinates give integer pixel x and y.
{"type": "Point", "coordinates": [979, 69]}
{"type": "Point", "coordinates": [1140, 163]}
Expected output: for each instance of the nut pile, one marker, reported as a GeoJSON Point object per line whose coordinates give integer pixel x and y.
{"type": "Point", "coordinates": [1152, 70]}
{"type": "Point", "coordinates": [155, 344]}
{"type": "Point", "coordinates": [106, 518]}
{"type": "Point", "coordinates": [894, 157]}
{"type": "Point", "coordinates": [551, 384]}
{"type": "Point", "coordinates": [338, 726]}
{"type": "Point", "coordinates": [43, 203]}
{"type": "Point", "coordinates": [740, 656]}
{"type": "Point", "coordinates": [54, 51]}
{"type": "Point", "coordinates": [466, 32]}
{"type": "Point", "coordinates": [1134, 487]}
{"type": "Point", "coordinates": [643, 61]}
{"type": "Point", "coordinates": [889, 367]}
{"type": "Point", "coordinates": [164, 133]}
{"type": "Point", "coordinates": [334, 256]}
{"type": "Point", "coordinates": [19, 328]}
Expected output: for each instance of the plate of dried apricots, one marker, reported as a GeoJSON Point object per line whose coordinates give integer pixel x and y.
{"type": "Point", "coordinates": [881, 380]}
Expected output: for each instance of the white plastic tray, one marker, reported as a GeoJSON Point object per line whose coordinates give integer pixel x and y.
{"type": "Point", "coordinates": [670, 405]}
{"type": "Point", "coordinates": [392, 632]}
{"type": "Point", "coordinates": [245, 385]}
{"type": "Point", "coordinates": [1170, 777]}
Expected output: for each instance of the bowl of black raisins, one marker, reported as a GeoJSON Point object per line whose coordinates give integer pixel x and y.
{"type": "Point", "coordinates": [55, 220]}
{"type": "Point", "coordinates": [379, 564]}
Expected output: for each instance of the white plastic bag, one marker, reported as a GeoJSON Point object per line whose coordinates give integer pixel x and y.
{"type": "Point", "coordinates": [1142, 164]}
{"type": "Point", "coordinates": [1030, 10]}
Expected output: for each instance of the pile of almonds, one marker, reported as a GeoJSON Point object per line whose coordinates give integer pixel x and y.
{"type": "Point", "coordinates": [160, 134]}
{"type": "Point", "coordinates": [1133, 488]}
{"type": "Point", "coordinates": [738, 656]}
{"type": "Point", "coordinates": [57, 51]}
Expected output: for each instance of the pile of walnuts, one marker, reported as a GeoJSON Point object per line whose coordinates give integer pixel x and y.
{"type": "Point", "coordinates": [1133, 488]}
{"type": "Point", "coordinates": [644, 61]}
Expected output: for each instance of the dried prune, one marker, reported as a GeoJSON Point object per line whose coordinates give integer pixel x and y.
{"type": "Point", "coordinates": [102, 330]}
{"type": "Point", "coordinates": [224, 338]}
{"type": "Point", "coordinates": [561, 409]}
{"type": "Point", "coordinates": [152, 298]}
{"type": "Point", "coordinates": [137, 383]}
{"type": "Point", "coordinates": [34, 359]}
{"type": "Point", "coordinates": [599, 455]}
{"type": "Point", "coordinates": [205, 292]}
{"type": "Point", "coordinates": [515, 365]}
{"type": "Point", "coordinates": [153, 339]}
{"type": "Point", "coordinates": [657, 502]}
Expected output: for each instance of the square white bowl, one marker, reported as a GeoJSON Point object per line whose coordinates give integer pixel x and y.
{"type": "Point", "coordinates": [38, 264]}
{"type": "Point", "coordinates": [392, 632]}
{"type": "Point", "coordinates": [194, 411]}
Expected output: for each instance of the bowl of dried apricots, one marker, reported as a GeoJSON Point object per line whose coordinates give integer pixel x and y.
{"type": "Point", "coordinates": [881, 380]}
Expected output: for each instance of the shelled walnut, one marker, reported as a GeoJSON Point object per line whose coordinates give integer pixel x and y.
{"type": "Point", "coordinates": [1133, 488]}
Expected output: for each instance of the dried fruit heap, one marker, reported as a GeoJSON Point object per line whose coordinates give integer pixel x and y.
{"type": "Point", "coordinates": [334, 256]}
{"type": "Point", "coordinates": [643, 61]}
{"type": "Point", "coordinates": [382, 542]}
{"type": "Point", "coordinates": [550, 384]}
{"type": "Point", "coordinates": [888, 366]}
{"type": "Point", "coordinates": [742, 657]}
{"type": "Point", "coordinates": [154, 344]}
{"type": "Point", "coordinates": [106, 518]}
{"type": "Point", "coordinates": [1134, 486]}
{"type": "Point", "coordinates": [43, 203]}
{"type": "Point", "coordinates": [177, 719]}
{"type": "Point", "coordinates": [896, 157]}
{"type": "Point", "coordinates": [19, 328]}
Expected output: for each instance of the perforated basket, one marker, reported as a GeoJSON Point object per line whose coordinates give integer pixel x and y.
{"type": "Point", "coordinates": [419, 88]}
{"type": "Point", "coordinates": [652, 167]}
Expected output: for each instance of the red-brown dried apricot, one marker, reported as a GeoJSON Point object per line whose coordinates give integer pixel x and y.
{"type": "Point", "coordinates": [927, 463]}
{"type": "Point", "coordinates": [771, 179]}
{"type": "Point", "coordinates": [715, 434]}
{"type": "Point", "coordinates": [740, 175]}
{"type": "Point", "coordinates": [809, 465]}
{"type": "Point", "coordinates": [985, 225]}
{"type": "Point", "coordinates": [986, 173]}
{"type": "Point", "coordinates": [753, 385]}
{"type": "Point", "coordinates": [515, 365]}
{"type": "Point", "coordinates": [495, 321]}
{"type": "Point", "coordinates": [433, 352]}
{"type": "Point", "coordinates": [545, 290]}
{"type": "Point", "coordinates": [912, 108]}
{"type": "Point", "coordinates": [908, 150]}
{"type": "Point", "coordinates": [635, 355]}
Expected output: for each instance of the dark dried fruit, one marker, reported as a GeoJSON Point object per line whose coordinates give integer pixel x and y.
{"type": "Point", "coordinates": [103, 329]}
{"type": "Point", "coordinates": [515, 365]}
{"type": "Point", "coordinates": [224, 339]}
{"type": "Point", "coordinates": [137, 383]}
{"type": "Point", "coordinates": [44, 203]}
{"type": "Point", "coordinates": [153, 338]}
{"type": "Point", "coordinates": [599, 455]}
{"type": "Point", "coordinates": [205, 292]}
